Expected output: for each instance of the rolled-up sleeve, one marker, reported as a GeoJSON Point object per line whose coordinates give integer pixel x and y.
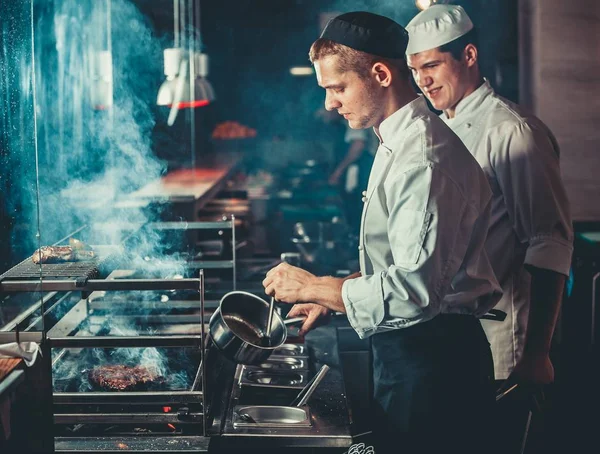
{"type": "Point", "coordinates": [528, 172]}
{"type": "Point", "coordinates": [429, 226]}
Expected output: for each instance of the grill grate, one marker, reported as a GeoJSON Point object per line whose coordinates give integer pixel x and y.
{"type": "Point", "coordinates": [29, 270]}
{"type": "Point", "coordinates": [89, 269]}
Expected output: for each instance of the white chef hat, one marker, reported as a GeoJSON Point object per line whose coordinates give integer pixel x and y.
{"type": "Point", "coordinates": [436, 26]}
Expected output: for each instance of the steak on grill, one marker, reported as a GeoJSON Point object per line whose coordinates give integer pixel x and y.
{"type": "Point", "coordinates": [59, 254]}
{"type": "Point", "coordinates": [124, 378]}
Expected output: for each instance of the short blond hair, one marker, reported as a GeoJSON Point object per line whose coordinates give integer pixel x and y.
{"type": "Point", "coordinates": [351, 59]}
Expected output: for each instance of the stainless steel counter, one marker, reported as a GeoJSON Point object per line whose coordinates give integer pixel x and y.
{"type": "Point", "coordinates": [329, 416]}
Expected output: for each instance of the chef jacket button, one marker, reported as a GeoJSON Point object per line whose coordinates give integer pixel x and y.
{"type": "Point", "coordinates": [364, 193]}
{"type": "Point", "coordinates": [360, 248]}
{"type": "Point", "coordinates": [364, 199]}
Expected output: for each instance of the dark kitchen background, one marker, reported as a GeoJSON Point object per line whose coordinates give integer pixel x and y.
{"type": "Point", "coordinates": [80, 128]}
{"type": "Point", "coordinates": [87, 155]}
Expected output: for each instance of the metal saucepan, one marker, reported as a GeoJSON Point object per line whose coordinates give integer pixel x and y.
{"type": "Point", "coordinates": [238, 328]}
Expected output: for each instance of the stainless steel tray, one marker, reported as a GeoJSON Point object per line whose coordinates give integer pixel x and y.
{"type": "Point", "coordinates": [271, 378]}
{"type": "Point", "coordinates": [270, 416]}
{"type": "Point", "coordinates": [284, 363]}
{"type": "Point", "coordinates": [290, 350]}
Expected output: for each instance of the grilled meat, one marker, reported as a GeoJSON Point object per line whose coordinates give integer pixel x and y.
{"type": "Point", "coordinates": [60, 254]}
{"type": "Point", "coordinates": [124, 378]}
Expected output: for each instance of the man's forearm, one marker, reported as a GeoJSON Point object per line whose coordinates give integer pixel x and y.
{"type": "Point", "coordinates": [546, 297]}
{"type": "Point", "coordinates": [326, 291]}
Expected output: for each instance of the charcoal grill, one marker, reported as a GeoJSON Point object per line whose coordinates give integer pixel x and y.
{"type": "Point", "coordinates": [81, 333]}
{"type": "Point", "coordinates": [94, 332]}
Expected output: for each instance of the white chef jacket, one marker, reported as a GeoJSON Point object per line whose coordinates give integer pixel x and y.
{"type": "Point", "coordinates": [530, 222]}
{"type": "Point", "coordinates": [423, 228]}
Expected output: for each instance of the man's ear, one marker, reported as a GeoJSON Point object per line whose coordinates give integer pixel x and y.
{"type": "Point", "coordinates": [382, 74]}
{"type": "Point", "coordinates": [470, 55]}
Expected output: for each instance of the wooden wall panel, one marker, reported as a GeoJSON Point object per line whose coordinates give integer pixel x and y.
{"type": "Point", "coordinates": [559, 58]}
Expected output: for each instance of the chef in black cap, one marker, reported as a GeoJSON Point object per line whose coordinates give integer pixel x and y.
{"type": "Point", "coordinates": [424, 274]}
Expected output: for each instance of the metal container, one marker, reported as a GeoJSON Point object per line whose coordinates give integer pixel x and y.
{"type": "Point", "coordinates": [270, 416]}
{"type": "Point", "coordinates": [284, 363]}
{"type": "Point", "coordinates": [238, 328]}
{"type": "Point", "coordinates": [272, 378]}
{"type": "Point", "coordinates": [291, 350]}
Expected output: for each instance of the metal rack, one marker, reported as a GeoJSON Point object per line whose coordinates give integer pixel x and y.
{"type": "Point", "coordinates": [117, 407]}
{"type": "Point", "coordinates": [214, 225]}
{"type": "Point", "coordinates": [65, 337]}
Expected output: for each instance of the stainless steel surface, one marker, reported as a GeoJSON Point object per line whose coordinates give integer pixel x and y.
{"type": "Point", "coordinates": [255, 376]}
{"type": "Point", "coordinates": [177, 443]}
{"type": "Point", "coordinates": [128, 398]}
{"type": "Point", "coordinates": [290, 350]}
{"type": "Point", "coordinates": [17, 336]}
{"type": "Point", "coordinates": [306, 393]}
{"type": "Point", "coordinates": [67, 285]}
{"type": "Point", "coordinates": [270, 416]}
{"type": "Point", "coordinates": [270, 320]}
{"type": "Point", "coordinates": [330, 422]}
{"type": "Point", "coordinates": [285, 363]}
{"type": "Point", "coordinates": [127, 418]}
{"type": "Point", "coordinates": [246, 417]}
{"type": "Point", "coordinates": [191, 225]}
{"type": "Point", "coordinates": [126, 341]}
{"type": "Point", "coordinates": [75, 333]}
{"type": "Point", "coordinates": [239, 324]}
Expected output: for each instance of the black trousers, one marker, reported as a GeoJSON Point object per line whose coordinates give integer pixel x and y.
{"type": "Point", "coordinates": [433, 388]}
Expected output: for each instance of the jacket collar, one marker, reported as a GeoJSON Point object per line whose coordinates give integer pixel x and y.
{"type": "Point", "coordinates": [470, 103]}
{"type": "Point", "coordinates": [390, 130]}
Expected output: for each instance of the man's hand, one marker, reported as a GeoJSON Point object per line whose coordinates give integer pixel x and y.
{"type": "Point", "coordinates": [334, 178]}
{"type": "Point", "coordinates": [315, 316]}
{"type": "Point", "coordinates": [530, 372]}
{"type": "Point", "coordinates": [286, 283]}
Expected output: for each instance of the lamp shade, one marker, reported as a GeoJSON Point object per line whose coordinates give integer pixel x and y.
{"type": "Point", "coordinates": [175, 90]}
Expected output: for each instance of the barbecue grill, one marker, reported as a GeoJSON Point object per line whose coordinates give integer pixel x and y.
{"type": "Point", "coordinates": [88, 315]}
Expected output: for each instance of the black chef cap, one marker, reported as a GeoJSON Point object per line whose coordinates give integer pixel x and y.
{"type": "Point", "coordinates": [368, 32]}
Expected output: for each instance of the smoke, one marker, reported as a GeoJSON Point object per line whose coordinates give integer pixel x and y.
{"type": "Point", "coordinates": [93, 155]}
{"type": "Point", "coordinates": [175, 367]}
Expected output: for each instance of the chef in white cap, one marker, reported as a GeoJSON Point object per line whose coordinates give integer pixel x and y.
{"type": "Point", "coordinates": [530, 240]}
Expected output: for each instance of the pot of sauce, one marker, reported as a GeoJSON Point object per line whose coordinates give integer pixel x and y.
{"type": "Point", "coordinates": [238, 328]}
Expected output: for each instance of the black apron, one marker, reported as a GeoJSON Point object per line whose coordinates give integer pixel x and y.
{"type": "Point", "coordinates": [433, 387]}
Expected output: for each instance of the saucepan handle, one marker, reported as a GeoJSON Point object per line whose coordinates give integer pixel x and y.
{"type": "Point", "coordinates": [293, 320]}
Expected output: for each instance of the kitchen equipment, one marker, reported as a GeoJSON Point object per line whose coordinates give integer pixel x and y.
{"type": "Point", "coordinates": [285, 363]}
{"type": "Point", "coordinates": [290, 350]}
{"type": "Point", "coordinates": [270, 416]}
{"type": "Point", "coordinates": [306, 393]}
{"type": "Point", "coordinates": [268, 378]}
{"type": "Point", "coordinates": [296, 414]}
{"type": "Point", "coordinates": [239, 324]}
{"type": "Point", "coordinates": [267, 339]}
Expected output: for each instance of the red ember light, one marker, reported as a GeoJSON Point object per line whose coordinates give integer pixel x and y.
{"type": "Point", "coordinates": [171, 426]}
{"type": "Point", "coordinates": [191, 104]}
{"type": "Point", "coordinates": [166, 409]}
